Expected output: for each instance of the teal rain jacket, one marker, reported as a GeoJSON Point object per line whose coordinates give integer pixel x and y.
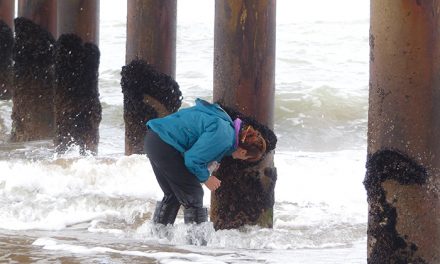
{"type": "Point", "coordinates": [202, 133]}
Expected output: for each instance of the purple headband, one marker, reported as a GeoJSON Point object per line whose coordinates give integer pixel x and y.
{"type": "Point", "coordinates": [237, 126]}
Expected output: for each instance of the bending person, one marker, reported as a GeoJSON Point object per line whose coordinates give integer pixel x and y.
{"type": "Point", "coordinates": [181, 147]}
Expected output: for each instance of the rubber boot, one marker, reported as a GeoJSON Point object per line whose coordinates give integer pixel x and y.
{"type": "Point", "coordinates": [195, 215]}
{"type": "Point", "coordinates": [165, 213]}
{"type": "Point", "coordinates": [196, 234]}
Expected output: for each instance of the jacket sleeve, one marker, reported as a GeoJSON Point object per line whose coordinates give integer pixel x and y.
{"type": "Point", "coordinates": [211, 145]}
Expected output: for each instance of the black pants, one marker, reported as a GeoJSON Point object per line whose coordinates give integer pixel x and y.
{"type": "Point", "coordinates": [176, 181]}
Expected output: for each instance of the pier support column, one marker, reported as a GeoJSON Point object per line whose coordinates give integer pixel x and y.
{"type": "Point", "coordinates": [150, 55]}
{"type": "Point", "coordinates": [77, 106]}
{"type": "Point", "coordinates": [32, 112]}
{"type": "Point", "coordinates": [403, 165]}
{"type": "Point", "coordinates": [81, 18]}
{"type": "Point", "coordinates": [151, 33]}
{"type": "Point", "coordinates": [244, 80]}
{"type": "Point", "coordinates": [41, 12]}
{"type": "Point", "coordinates": [148, 94]}
{"type": "Point", "coordinates": [7, 10]}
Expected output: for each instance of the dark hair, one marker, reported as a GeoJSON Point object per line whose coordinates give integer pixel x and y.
{"type": "Point", "coordinates": [252, 141]}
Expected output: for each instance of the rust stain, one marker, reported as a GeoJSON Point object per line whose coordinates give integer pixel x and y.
{"type": "Point", "coordinates": [232, 10]}
{"type": "Point", "coordinates": [243, 18]}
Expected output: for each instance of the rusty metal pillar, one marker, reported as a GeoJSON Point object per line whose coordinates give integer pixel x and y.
{"type": "Point", "coordinates": [7, 10]}
{"type": "Point", "coordinates": [403, 165]}
{"type": "Point", "coordinates": [41, 12]}
{"type": "Point", "coordinates": [244, 80]}
{"type": "Point", "coordinates": [78, 111]}
{"type": "Point", "coordinates": [81, 18]}
{"type": "Point", "coordinates": [151, 33]}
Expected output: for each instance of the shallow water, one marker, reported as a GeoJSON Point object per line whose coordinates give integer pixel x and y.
{"type": "Point", "coordinates": [64, 247]}
{"type": "Point", "coordinates": [88, 210]}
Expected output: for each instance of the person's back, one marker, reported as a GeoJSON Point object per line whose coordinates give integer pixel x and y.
{"type": "Point", "coordinates": [183, 128]}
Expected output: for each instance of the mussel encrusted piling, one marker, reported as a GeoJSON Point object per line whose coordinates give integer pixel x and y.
{"type": "Point", "coordinates": [6, 44]}
{"type": "Point", "coordinates": [32, 112]}
{"type": "Point", "coordinates": [77, 106]}
{"type": "Point", "coordinates": [247, 190]}
{"type": "Point", "coordinates": [147, 94]}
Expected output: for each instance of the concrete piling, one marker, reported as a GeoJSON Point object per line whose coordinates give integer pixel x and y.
{"type": "Point", "coordinates": [80, 18]}
{"type": "Point", "coordinates": [403, 169]}
{"type": "Point", "coordinates": [244, 81]}
{"type": "Point", "coordinates": [6, 42]}
{"type": "Point", "coordinates": [7, 10]}
{"type": "Point", "coordinates": [246, 196]}
{"type": "Point", "coordinates": [41, 12]}
{"type": "Point", "coordinates": [151, 33]}
{"type": "Point", "coordinates": [148, 94]}
{"type": "Point", "coordinates": [32, 111]}
{"type": "Point", "coordinates": [151, 61]}
{"type": "Point", "coordinates": [77, 107]}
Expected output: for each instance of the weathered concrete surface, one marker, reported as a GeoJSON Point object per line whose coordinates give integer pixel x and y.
{"type": "Point", "coordinates": [404, 82]}
{"type": "Point", "coordinates": [244, 57]}
{"type": "Point", "coordinates": [151, 33]}
{"type": "Point", "coordinates": [244, 81]}
{"type": "Point", "coordinates": [81, 18]}
{"type": "Point", "coordinates": [41, 12]}
{"type": "Point", "coordinates": [402, 179]}
{"type": "Point", "coordinates": [7, 12]}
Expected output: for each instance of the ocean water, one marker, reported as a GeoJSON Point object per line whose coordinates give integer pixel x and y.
{"type": "Point", "coordinates": [74, 209]}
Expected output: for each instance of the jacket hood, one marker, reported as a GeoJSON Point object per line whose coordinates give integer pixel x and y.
{"type": "Point", "coordinates": [213, 109]}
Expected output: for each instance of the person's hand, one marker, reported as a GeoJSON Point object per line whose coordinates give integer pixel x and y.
{"type": "Point", "coordinates": [212, 183]}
